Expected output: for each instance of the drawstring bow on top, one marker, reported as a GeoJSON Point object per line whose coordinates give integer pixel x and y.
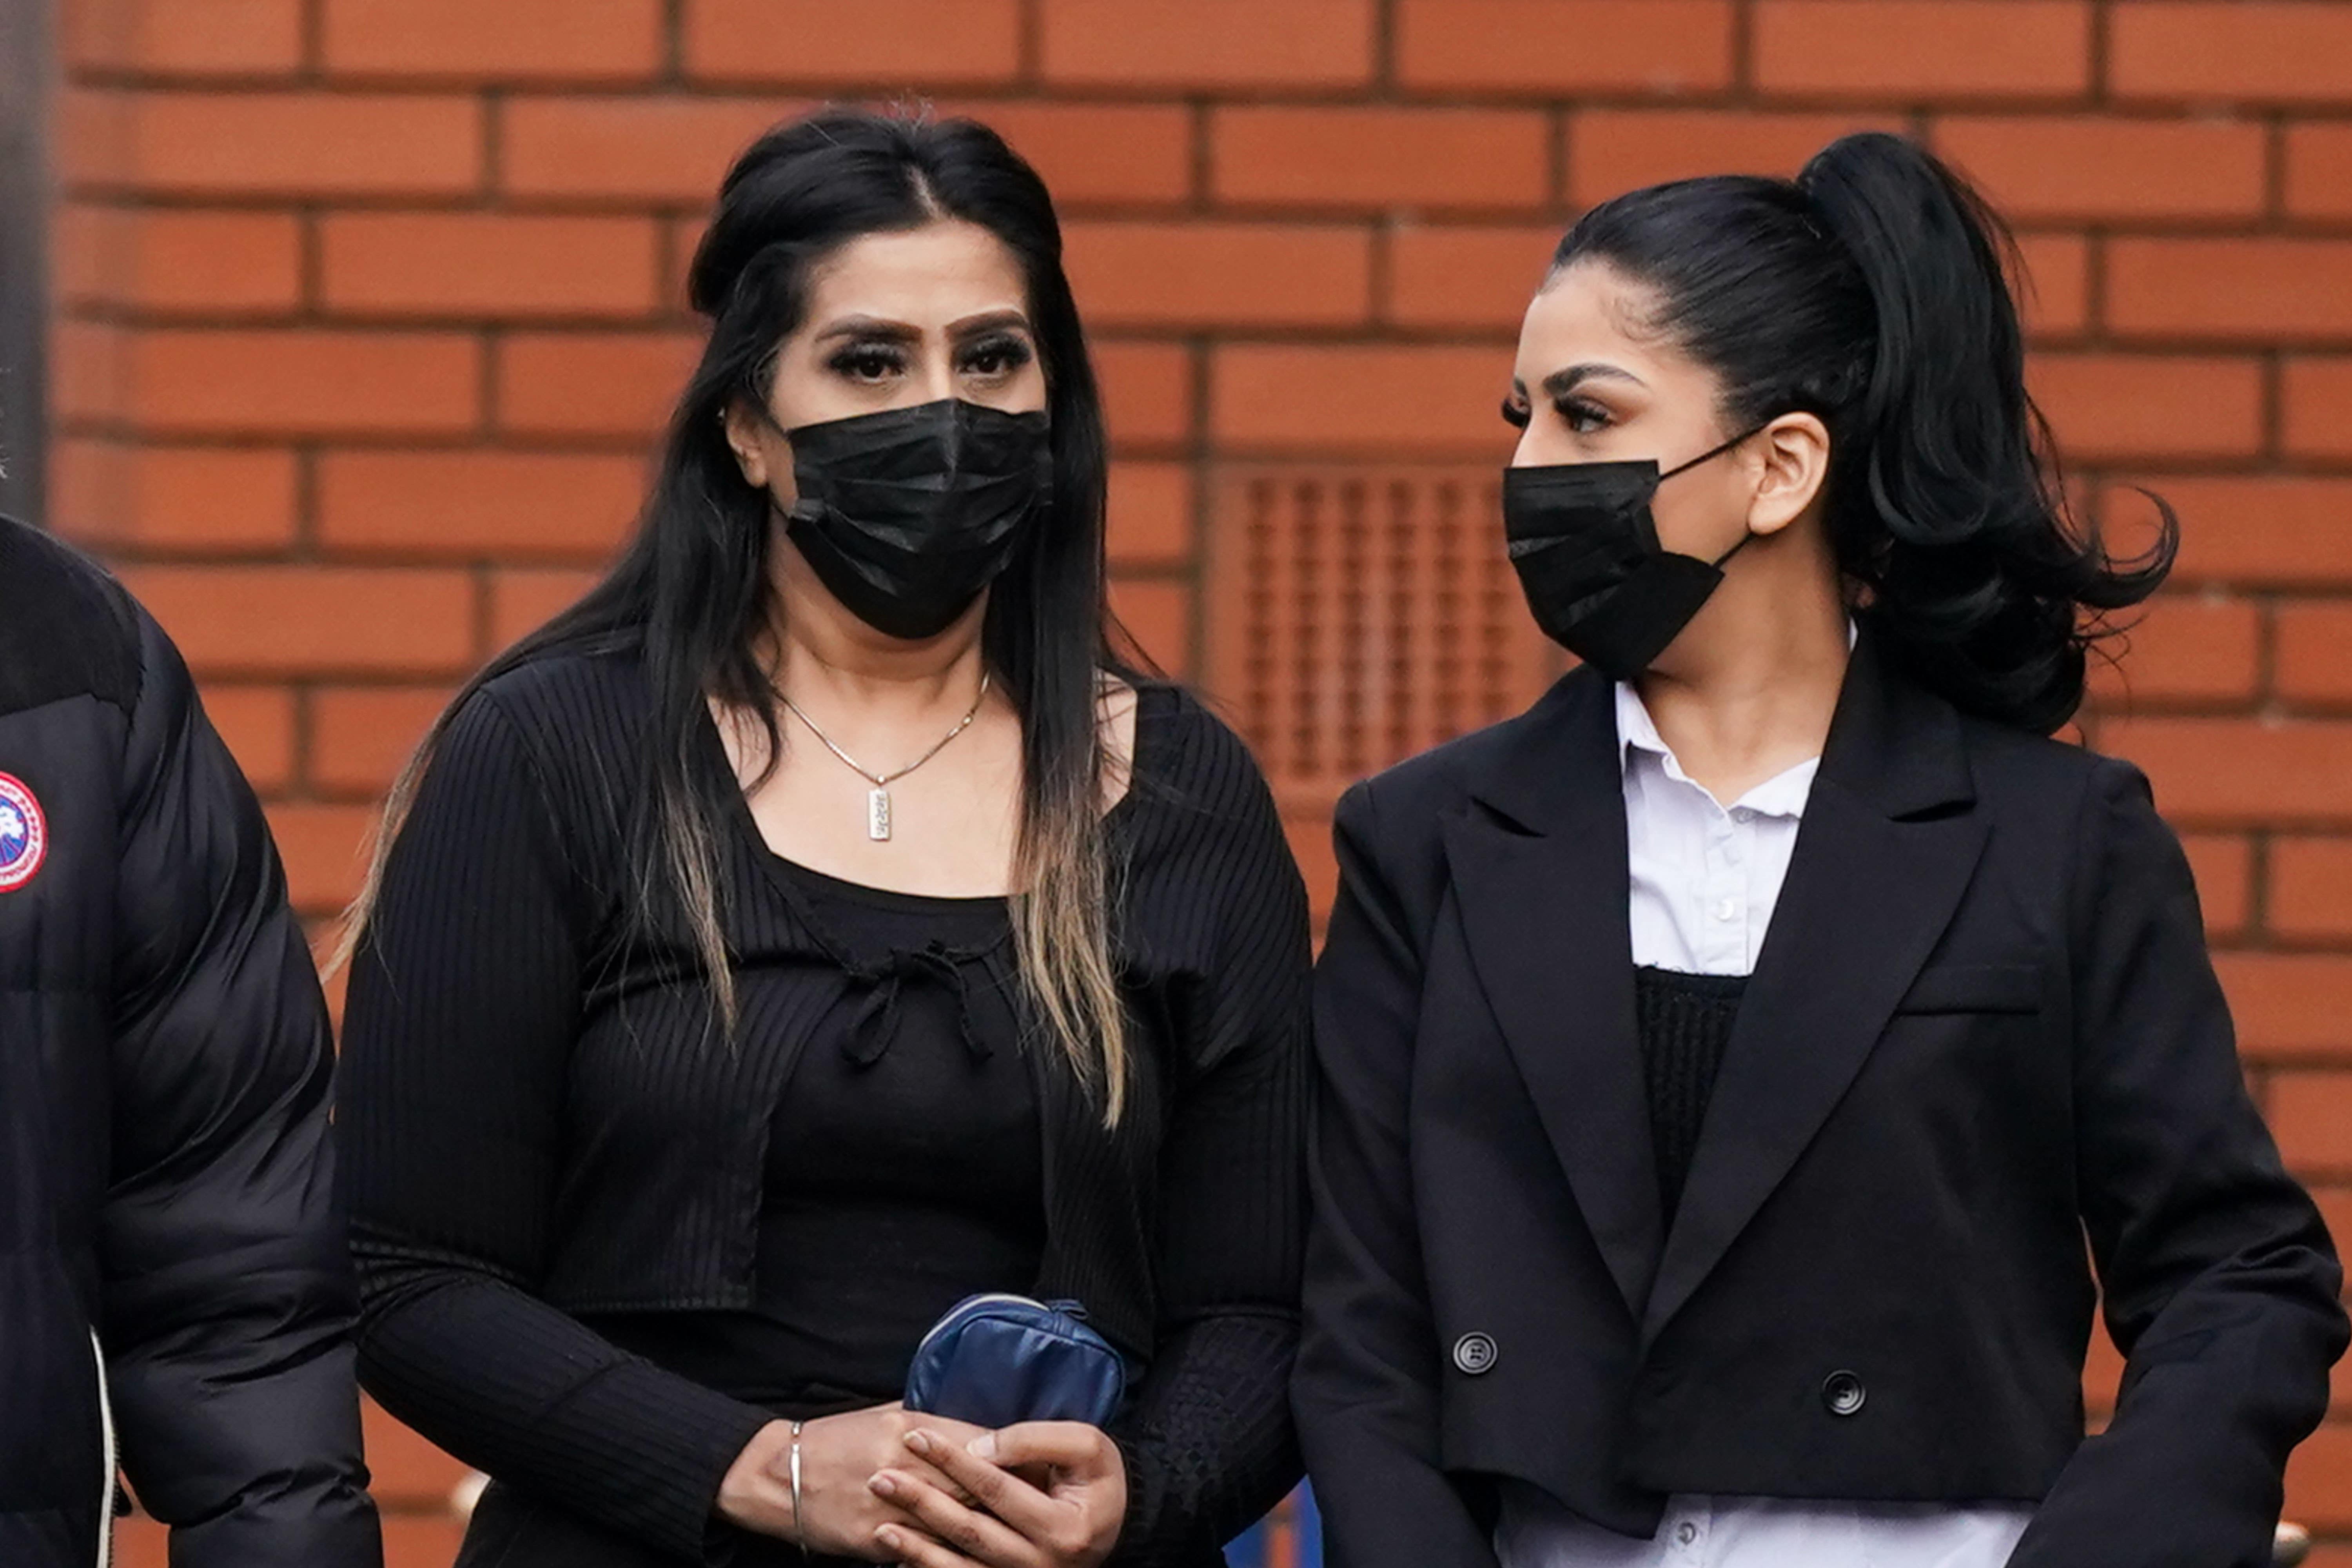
{"type": "Point", "coordinates": [875, 1024]}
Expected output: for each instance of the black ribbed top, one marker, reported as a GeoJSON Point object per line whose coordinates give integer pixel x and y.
{"type": "Point", "coordinates": [904, 1170]}
{"type": "Point", "coordinates": [1684, 1022]}
{"type": "Point", "coordinates": [542, 1129]}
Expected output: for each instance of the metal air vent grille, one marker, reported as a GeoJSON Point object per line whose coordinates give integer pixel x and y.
{"type": "Point", "coordinates": [1361, 614]}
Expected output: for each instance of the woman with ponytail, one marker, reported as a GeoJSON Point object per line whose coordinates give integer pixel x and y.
{"type": "Point", "coordinates": [1725, 1063]}
{"type": "Point", "coordinates": [822, 923]}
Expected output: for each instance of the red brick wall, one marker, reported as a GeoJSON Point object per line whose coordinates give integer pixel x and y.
{"type": "Point", "coordinates": [366, 309]}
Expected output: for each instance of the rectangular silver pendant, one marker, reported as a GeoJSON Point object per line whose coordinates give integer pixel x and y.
{"type": "Point", "coordinates": [877, 815]}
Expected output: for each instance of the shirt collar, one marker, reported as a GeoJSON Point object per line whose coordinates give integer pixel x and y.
{"type": "Point", "coordinates": [1635, 729]}
{"type": "Point", "coordinates": [1783, 794]}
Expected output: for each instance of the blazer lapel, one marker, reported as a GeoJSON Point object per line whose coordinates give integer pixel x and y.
{"type": "Point", "coordinates": [1885, 854]}
{"type": "Point", "coordinates": [1539, 876]}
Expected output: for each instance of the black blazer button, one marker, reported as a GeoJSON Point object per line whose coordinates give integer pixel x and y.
{"type": "Point", "coordinates": [1843, 1392]}
{"type": "Point", "coordinates": [1474, 1354]}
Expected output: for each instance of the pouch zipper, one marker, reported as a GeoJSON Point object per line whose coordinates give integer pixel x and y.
{"type": "Point", "coordinates": [965, 1310]}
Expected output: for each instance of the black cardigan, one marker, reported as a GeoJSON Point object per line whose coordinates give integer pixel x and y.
{"type": "Point", "coordinates": [540, 1124]}
{"type": "Point", "coordinates": [1982, 1030]}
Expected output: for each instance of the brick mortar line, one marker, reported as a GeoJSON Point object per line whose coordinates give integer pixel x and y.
{"type": "Point", "coordinates": [484, 634]}
{"type": "Point", "coordinates": [1201, 161]}
{"type": "Point", "coordinates": [1559, 161]}
{"type": "Point", "coordinates": [490, 165]}
{"type": "Point", "coordinates": [652, 86]}
{"type": "Point", "coordinates": [2095, 286]}
{"type": "Point", "coordinates": [1203, 460]}
{"type": "Point", "coordinates": [1743, 50]}
{"type": "Point", "coordinates": [2098, 52]}
{"type": "Point", "coordinates": [2257, 926]}
{"type": "Point", "coordinates": [2272, 412]}
{"type": "Point", "coordinates": [546, 441]}
{"type": "Point", "coordinates": [673, 42]}
{"type": "Point", "coordinates": [313, 24]}
{"type": "Point", "coordinates": [133, 200]}
{"type": "Point", "coordinates": [304, 544]}
{"type": "Point", "coordinates": [309, 259]}
{"type": "Point", "coordinates": [302, 740]}
{"type": "Point", "coordinates": [1029, 46]}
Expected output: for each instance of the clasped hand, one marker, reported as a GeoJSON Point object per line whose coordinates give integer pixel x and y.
{"type": "Point", "coordinates": [886, 1485]}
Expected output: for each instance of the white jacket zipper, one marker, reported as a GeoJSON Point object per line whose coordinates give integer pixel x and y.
{"type": "Point", "coordinates": [113, 1459]}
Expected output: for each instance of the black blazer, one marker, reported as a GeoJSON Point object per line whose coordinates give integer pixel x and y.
{"type": "Point", "coordinates": [1983, 1028]}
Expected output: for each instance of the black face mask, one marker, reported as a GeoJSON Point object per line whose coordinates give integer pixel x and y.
{"type": "Point", "coordinates": [906, 515]}
{"type": "Point", "coordinates": [1586, 552]}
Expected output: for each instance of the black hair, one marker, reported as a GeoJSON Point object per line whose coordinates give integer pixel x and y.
{"type": "Point", "coordinates": [692, 593]}
{"type": "Point", "coordinates": [1873, 291]}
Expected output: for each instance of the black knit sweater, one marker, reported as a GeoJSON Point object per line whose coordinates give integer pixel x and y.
{"type": "Point", "coordinates": [539, 1124]}
{"type": "Point", "coordinates": [1685, 1024]}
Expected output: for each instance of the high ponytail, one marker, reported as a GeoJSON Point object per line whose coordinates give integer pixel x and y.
{"type": "Point", "coordinates": [1874, 292]}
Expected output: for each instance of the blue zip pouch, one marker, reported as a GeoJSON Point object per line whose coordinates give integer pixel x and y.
{"type": "Point", "coordinates": [999, 1359]}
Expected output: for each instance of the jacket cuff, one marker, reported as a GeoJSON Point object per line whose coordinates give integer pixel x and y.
{"type": "Point", "coordinates": [1135, 1528]}
{"type": "Point", "coordinates": [335, 1531]}
{"type": "Point", "coordinates": [684, 1438]}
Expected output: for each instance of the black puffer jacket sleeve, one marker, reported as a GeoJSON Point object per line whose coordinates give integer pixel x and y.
{"type": "Point", "coordinates": [228, 1299]}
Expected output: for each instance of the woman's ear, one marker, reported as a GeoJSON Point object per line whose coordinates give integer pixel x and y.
{"type": "Point", "coordinates": [1796, 453]}
{"type": "Point", "coordinates": [747, 434]}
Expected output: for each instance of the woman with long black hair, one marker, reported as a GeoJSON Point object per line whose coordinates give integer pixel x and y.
{"type": "Point", "coordinates": [820, 925]}
{"type": "Point", "coordinates": [1725, 1063]}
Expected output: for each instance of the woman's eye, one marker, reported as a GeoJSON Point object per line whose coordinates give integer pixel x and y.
{"type": "Point", "coordinates": [868, 365]}
{"type": "Point", "coordinates": [1518, 416]}
{"type": "Point", "coordinates": [1581, 416]}
{"type": "Point", "coordinates": [996, 358]}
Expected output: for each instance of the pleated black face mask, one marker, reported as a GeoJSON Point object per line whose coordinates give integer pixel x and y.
{"type": "Point", "coordinates": [907, 515]}
{"type": "Point", "coordinates": [1586, 549]}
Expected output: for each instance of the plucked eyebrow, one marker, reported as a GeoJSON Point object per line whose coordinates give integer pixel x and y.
{"type": "Point", "coordinates": [875, 329]}
{"type": "Point", "coordinates": [1560, 383]}
{"type": "Point", "coordinates": [987, 322]}
{"type": "Point", "coordinates": [872, 328]}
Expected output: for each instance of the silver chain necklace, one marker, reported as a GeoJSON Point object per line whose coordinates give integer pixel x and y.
{"type": "Point", "coordinates": [878, 799]}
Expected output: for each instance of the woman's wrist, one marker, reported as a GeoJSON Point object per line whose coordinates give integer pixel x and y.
{"type": "Point", "coordinates": [756, 1492]}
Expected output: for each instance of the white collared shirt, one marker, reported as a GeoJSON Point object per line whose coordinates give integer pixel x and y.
{"type": "Point", "coordinates": [1705, 880]}
{"type": "Point", "coordinates": [1704, 875]}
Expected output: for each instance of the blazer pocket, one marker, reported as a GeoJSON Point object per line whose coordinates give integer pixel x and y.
{"type": "Point", "coordinates": [1975, 988]}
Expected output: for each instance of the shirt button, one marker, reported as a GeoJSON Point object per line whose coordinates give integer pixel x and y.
{"type": "Point", "coordinates": [1727, 909]}
{"type": "Point", "coordinates": [1687, 1533]}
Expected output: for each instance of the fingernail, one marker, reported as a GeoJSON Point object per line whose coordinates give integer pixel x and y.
{"type": "Point", "coordinates": [887, 1538]}
{"type": "Point", "coordinates": [884, 1484]}
{"type": "Point", "coordinates": [983, 1446]}
{"type": "Point", "coordinates": [920, 1441]}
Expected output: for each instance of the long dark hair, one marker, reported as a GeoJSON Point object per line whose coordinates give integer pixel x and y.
{"type": "Point", "coordinates": [1874, 292]}
{"type": "Point", "coordinates": [692, 593]}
